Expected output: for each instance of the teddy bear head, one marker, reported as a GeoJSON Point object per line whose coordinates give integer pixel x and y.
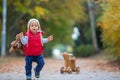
{"type": "Point", "coordinates": [17, 37]}
{"type": "Point", "coordinates": [16, 44]}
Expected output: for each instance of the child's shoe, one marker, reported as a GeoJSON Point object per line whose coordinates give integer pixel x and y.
{"type": "Point", "coordinates": [28, 78]}
{"type": "Point", "coordinates": [37, 75]}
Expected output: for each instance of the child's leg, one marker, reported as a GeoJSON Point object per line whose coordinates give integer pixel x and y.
{"type": "Point", "coordinates": [28, 66]}
{"type": "Point", "coordinates": [40, 63]}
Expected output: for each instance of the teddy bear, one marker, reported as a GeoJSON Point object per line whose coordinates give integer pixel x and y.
{"type": "Point", "coordinates": [16, 45]}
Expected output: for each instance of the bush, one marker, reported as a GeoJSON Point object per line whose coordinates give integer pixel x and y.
{"type": "Point", "coordinates": [84, 50]}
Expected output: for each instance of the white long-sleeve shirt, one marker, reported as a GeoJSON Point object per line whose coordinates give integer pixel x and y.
{"type": "Point", "coordinates": [24, 40]}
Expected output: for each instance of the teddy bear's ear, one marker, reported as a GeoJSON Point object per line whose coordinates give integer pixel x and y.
{"type": "Point", "coordinates": [17, 36]}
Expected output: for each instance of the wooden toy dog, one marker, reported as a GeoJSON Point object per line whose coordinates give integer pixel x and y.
{"type": "Point", "coordinates": [70, 66]}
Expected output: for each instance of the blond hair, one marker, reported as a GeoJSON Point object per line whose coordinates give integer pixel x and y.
{"type": "Point", "coordinates": [33, 19]}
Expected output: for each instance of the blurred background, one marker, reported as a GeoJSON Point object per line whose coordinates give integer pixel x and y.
{"type": "Point", "coordinates": [82, 27]}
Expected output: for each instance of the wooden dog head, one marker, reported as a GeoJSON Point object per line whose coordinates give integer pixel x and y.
{"type": "Point", "coordinates": [67, 56]}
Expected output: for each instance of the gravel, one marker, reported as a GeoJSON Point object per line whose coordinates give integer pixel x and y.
{"type": "Point", "coordinates": [51, 71]}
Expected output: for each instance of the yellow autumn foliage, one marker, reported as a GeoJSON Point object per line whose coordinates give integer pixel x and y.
{"type": "Point", "coordinates": [39, 10]}
{"type": "Point", "coordinates": [110, 24]}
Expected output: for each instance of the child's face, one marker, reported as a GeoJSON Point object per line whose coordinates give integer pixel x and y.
{"type": "Point", "coordinates": [34, 27]}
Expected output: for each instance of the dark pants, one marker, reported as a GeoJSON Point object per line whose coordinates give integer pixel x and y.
{"type": "Point", "coordinates": [38, 59]}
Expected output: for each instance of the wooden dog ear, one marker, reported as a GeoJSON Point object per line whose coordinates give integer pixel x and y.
{"type": "Point", "coordinates": [65, 56]}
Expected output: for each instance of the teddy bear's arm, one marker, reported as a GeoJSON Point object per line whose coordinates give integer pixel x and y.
{"type": "Point", "coordinates": [13, 43]}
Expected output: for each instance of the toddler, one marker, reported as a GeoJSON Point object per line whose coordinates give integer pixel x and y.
{"type": "Point", "coordinates": [33, 47]}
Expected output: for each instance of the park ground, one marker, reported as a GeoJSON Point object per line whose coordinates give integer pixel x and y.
{"type": "Point", "coordinates": [95, 68]}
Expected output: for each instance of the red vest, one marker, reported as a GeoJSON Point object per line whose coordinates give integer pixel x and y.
{"type": "Point", "coordinates": [34, 46]}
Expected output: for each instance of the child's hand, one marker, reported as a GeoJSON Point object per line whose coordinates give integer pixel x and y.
{"type": "Point", "coordinates": [50, 38]}
{"type": "Point", "coordinates": [21, 35]}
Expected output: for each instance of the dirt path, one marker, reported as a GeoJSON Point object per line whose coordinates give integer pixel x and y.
{"type": "Point", "coordinates": [90, 69]}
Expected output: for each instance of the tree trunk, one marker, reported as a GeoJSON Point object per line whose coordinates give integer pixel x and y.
{"type": "Point", "coordinates": [92, 24]}
{"type": "Point", "coordinates": [3, 42]}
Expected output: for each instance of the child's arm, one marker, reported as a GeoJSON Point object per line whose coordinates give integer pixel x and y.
{"type": "Point", "coordinates": [23, 39]}
{"type": "Point", "coordinates": [45, 40]}
{"type": "Point", "coordinates": [50, 38]}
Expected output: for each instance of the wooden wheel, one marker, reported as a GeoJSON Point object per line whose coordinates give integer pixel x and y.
{"type": "Point", "coordinates": [62, 70]}
{"type": "Point", "coordinates": [77, 70]}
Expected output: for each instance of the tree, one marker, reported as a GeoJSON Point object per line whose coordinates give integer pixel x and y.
{"type": "Point", "coordinates": [110, 25]}
{"type": "Point", "coordinates": [3, 46]}
{"type": "Point", "coordinates": [92, 24]}
{"type": "Point", "coordinates": [56, 17]}
{"type": "Point", "coordinates": [62, 16]}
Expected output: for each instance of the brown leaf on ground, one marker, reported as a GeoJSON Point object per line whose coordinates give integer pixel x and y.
{"type": "Point", "coordinates": [17, 65]}
{"type": "Point", "coordinates": [112, 66]}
